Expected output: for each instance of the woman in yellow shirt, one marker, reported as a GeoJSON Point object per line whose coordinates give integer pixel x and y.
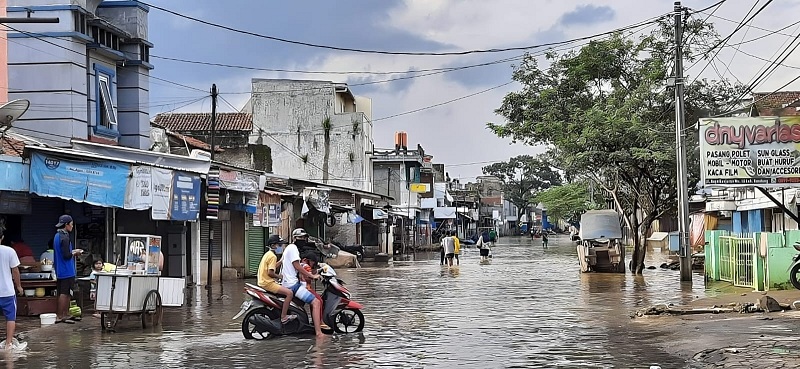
{"type": "Point", "coordinates": [458, 246]}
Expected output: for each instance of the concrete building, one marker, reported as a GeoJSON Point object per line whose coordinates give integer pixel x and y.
{"type": "Point", "coordinates": [317, 130]}
{"type": "Point", "coordinates": [394, 171]}
{"type": "Point", "coordinates": [86, 77]}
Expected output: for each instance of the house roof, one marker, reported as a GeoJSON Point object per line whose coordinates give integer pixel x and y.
{"type": "Point", "coordinates": [776, 100]}
{"type": "Point", "coordinates": [11, 146]}
{"type": "Point", "coordinates": [187, 122]}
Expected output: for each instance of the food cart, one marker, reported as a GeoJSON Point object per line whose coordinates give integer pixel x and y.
{"type": "Point", "coordinates": [132, 289]}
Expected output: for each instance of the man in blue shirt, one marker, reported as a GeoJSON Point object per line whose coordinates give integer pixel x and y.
{"type": "Point", "coordinates": [64, 264]}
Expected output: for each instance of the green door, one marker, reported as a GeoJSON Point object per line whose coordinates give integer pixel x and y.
{"type": "Point", "coordinates": [255, 247]}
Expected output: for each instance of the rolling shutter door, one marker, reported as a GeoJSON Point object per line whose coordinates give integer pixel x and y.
{"type": "Point", "coordinates": [255, 246]}
{"type": "Point", "coordinates": [39, 227]}
{"type": "Point", "coordinates": [204, 240]}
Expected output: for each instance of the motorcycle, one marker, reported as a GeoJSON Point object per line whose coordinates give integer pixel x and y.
{"type": "Point", "coordinates": [356, 250]}
{"type": "Point", "coordinates": [262, 311]}
{"type": "Point", "coordinates": [794, 269]}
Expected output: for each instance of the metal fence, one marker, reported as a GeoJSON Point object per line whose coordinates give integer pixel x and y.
{"type": "Point", "coordinates": [736, 257]}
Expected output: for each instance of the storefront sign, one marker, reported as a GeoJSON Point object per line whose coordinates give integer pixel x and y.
{"type": "Point", "coordinates": [259, 218]}
{"type": "Point", "coordinates": [444, 213]}
{"type": "Point", "coordinates": [238, 181]}
{"type": "Point", "coordinates": [185, 197]}
{"type": "Point", "coordinates": [273, 215]}
{"type": "Point", "coordinates": [251, 202]}
{"type": "Point", "coordinates": [737, 152]}
{"type": "Point", "coordinates": [139, 192]}
{"type": "Point", "coordinates": [420, 187]}
{"type": "Point", "coordinates": [95, 182]}
{"type": "Point", "coordinates": [16, 176]}
{"type": "Point", "coordinates": [162, 193]}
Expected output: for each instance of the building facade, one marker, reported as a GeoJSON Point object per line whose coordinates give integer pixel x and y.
{"type": "Point", "coordinates": [87, 77]}
{"type": "Point", "coordinates": [316, 130]}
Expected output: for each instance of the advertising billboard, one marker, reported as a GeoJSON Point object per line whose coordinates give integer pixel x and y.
{"type": "Point", "coordinates": [754, 151]}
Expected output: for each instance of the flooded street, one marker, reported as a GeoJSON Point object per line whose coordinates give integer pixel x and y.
{"type": "Point", "coordinates": [528, 307]}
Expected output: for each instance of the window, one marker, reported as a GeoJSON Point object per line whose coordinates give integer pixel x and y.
{"type": "Point", "coordinates": [107, 116]}
{"type": "Point", "coordinates": [79, 19]}
{"type": "Point", "coordinates": [144, 53]}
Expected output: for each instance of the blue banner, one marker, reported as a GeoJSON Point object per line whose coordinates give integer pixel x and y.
{"type": "Point", "coordinates": [99, 183]}
{"type": "Point", "coordinates": [185, 197]}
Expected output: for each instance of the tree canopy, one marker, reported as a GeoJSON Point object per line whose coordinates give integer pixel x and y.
{"type": "Point", "coordinates": [607, 114]}
{"type": "Point", "coordinates": [523, 177]}
{"type": "Point", "coordinates": [566, 202]}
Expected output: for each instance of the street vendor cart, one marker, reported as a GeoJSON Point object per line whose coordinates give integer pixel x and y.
{"type": "Point", "coordinates": [132, 288]}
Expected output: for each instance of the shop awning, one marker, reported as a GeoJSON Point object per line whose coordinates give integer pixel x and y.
{"type": "Point", "coordinates": [363, 194]}
{"type": "Point", "coordinates": [277, 192]}
{"type": "Point", "coordinates": [136, 156]}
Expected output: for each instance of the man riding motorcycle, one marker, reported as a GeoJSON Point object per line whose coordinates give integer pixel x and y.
{"type": "Point", "coordinates": [291, 272]}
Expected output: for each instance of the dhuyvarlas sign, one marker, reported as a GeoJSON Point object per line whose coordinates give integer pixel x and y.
{"type": "Point", "coordinates": [757, 151]}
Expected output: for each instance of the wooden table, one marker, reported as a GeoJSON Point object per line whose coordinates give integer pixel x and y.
{"type": "Point", "coordinates": [33, 306]}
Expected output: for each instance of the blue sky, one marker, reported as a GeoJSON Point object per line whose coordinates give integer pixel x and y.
{"type": "Point", "coordinates": [455, 133]}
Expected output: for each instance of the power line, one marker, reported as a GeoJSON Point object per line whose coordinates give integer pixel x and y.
{"type": "Point", "coordinates": [443, 103]}
{"type": "Point", "coordinates": [40, 37]}
{"type": "Point", "coordinates": [383, 52]}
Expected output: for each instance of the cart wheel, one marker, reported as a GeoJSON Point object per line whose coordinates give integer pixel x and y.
{"type": "Point", "coordinates": [152, 311]}
{"type": "Point", "coordinates": [108, 321]}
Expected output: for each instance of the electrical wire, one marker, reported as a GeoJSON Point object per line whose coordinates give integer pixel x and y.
{"type": "Point", "coordinates": [42, 38]}
{"type": "Point", "coordinates": [382, 52]}
{"type": "Point", "coordinates": [442, 103]}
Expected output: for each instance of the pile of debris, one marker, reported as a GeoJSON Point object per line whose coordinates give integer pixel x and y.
{"type": "Point", "coordinates": [765, 304]}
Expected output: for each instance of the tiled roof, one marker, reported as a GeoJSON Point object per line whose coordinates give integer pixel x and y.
{"type": "Point", "coordinates": [12, 146]}
{"type": "Point", "coordinates": [775, 100]}
{"type": "Point", "coordinates": [187, 122]}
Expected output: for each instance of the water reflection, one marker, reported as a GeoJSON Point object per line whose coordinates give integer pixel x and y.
{"type": "Point", "coordinates": [527, 307]}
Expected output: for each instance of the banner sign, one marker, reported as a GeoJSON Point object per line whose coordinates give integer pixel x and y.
{"type": "Point", "coordinates": [238, 181]}
{"type": "Point", "coordinates": [185, 197]}
{"type": "Point", "coordinates": [139, 191]}
{"type": "Point", "coordinates": [101, 183]}
{"type": "Point", "coordinates": [756, 151]}
{"type": "Point", "coordinates": [162, 193]}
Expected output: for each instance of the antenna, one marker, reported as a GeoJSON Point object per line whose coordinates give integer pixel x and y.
{"type": "Point", "coordinates": [10, 112]}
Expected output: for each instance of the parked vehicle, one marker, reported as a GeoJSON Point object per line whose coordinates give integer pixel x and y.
{"type": "Point", "coordinates": [601, 248]}
{"type": "Point", "coordinates": [794, 269]}
{"type": "Point", "coordinates": [357, 250]}
{"type": "Point", "coordinates": [262, 311]}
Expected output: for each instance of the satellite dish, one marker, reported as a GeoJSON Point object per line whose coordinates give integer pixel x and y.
{"type": "Point", "coordinates": [11, 111]}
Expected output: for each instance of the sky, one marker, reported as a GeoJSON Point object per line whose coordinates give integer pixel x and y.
{"type": "Point", "coordinates": [454, 133]}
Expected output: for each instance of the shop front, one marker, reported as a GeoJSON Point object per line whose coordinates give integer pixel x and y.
{"type": "Point", "coordinates": [109, 191]}
{"type": "Point", "coordinates": [237, 198]}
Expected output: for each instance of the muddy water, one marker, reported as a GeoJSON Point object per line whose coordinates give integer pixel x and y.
{"type": "Point", "coordinates": [526, 308]}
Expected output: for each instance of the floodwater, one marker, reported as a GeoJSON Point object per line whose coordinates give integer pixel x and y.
{"type": "Point", "coordinates": [527, 308]}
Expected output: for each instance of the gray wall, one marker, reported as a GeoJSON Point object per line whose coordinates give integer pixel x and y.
{"type": "Point", "coordinates": [282, 107]}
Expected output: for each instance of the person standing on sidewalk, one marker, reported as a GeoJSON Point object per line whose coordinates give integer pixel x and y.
{"type": "Point", "coordinates": [9, 280]}
{"type": "Point", "coordinates": [64, 264]}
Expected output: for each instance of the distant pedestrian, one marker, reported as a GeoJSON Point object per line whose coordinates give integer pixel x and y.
{"type": "Point", "coordinates": [449, 247]}
{"type": "Point", "coordinates": [484, 249]}
{"type": "Point", "coordinates": [10, 286]}
{"type": "Point", "coordinates": [457, 249]}
{"type": "Point", "coordinates": [492, 236]}
{"type": "Point", "coordinates": [544, 239]}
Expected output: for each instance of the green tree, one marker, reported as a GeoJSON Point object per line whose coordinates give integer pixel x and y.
{"type": "Point", "coordinates": [606, 112]}
{"type": "Point", "coordinates": [566, 202]}
{"type": "Point", "coordinates": [523, 177]}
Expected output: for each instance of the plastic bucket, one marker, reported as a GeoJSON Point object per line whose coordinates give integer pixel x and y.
{"type": "Point", "coordinates": [48, 319]}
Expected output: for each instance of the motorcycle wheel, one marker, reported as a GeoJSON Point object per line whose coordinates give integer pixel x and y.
{"type": "Point", "coordinates": [793, 276]}
{"type": "Point", "coordinates": [348, 321]}
{"type": "Point", "coordinates": [249, 329]}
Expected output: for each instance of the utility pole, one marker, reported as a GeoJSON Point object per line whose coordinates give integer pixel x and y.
{"type": "Point", "coordinates": [680, 147]}
{"type": "Point", "coordinates": [210, 221]}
